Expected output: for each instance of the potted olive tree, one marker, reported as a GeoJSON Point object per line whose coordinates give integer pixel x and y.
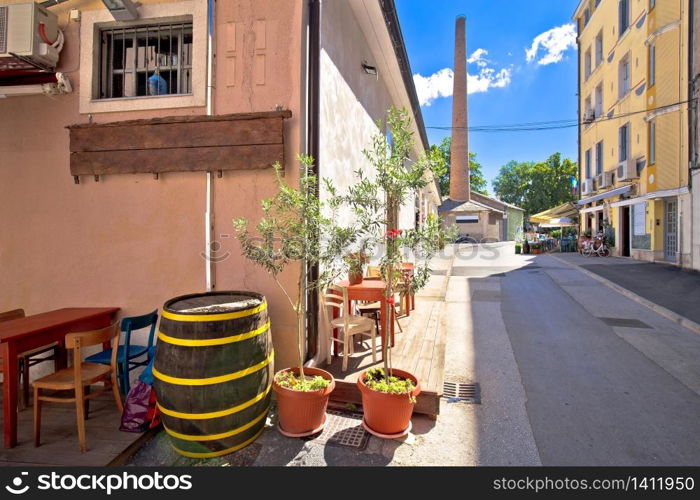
{"type": "Point", "coordinates": [292, 233]}
{"type": "Point", "coordinates": [389, 394]}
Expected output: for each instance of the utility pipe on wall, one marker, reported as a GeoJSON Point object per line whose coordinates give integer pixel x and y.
{"type": "Point", "coordinates": [208, 213]}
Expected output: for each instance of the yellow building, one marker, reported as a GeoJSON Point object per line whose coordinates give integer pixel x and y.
{"type": "Point", "coordinates": [633, 132]}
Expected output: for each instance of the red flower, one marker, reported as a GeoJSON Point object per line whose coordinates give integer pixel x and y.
{"type": "Point", "coordinates": [393, 233]}
{"type": "Point", "coordinates": [392, 300]}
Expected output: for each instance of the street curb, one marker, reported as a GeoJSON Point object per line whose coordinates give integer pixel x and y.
{"type": "Point", "coordinates": [667, 313]}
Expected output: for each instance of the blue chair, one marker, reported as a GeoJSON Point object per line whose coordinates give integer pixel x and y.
{"type": "Point", "coordinates": [127, 353]}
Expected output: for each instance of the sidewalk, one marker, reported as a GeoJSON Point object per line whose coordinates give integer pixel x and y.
{"type": "Point", "coordinates": [668, 286]}
{"type": "Point", "coordinates": [495, 432]}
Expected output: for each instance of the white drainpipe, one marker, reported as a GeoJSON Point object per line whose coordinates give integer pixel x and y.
{"type": "Point", "coordinates": [208, 215]}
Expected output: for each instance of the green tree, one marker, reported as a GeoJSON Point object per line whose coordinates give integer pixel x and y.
{"type": "Point", "coordinates": [536, 186]}
{"type": "Point", "coordinates": [442, 170]}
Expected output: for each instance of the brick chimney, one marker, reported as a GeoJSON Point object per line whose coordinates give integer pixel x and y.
{"type": "Point", "coordinates": [459, 157]}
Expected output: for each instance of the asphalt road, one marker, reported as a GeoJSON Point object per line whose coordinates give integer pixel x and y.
{"type": "Point", "coordinates": [597, 394]}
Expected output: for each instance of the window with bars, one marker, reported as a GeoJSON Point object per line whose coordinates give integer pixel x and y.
{"type": "Point", "coordinates": [146, 60]}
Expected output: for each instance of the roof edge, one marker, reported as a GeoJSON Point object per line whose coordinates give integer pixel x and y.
{"type": "Point", "coordinates": [391, 19]}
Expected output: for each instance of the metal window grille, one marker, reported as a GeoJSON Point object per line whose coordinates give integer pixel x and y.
{"type": "Point", "coordinates": [146, 60]}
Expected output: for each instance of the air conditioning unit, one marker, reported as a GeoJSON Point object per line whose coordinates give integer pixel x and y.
{"type": "Point", "coordinates": [587, 186]}
{"type": "Point", "coordinates": [61, 86]}
{"type": "Point", "coordinates": [29, 34]}
{"type": "Point", "coordinates": [627, 170]}
{"type": "Point", "coordinates": [588, 116]}
{"type": "Point", "coordinates": [605, 180]}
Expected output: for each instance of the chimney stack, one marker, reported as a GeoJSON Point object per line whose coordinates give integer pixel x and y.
{"type": "Point", "coordinates": [459, 156]}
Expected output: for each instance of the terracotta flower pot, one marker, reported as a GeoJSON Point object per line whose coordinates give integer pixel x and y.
{"type": "Point", "coordinates": [302, 413]}
{"type": "Point", "coordinates": [387, 415]}
{"type": "Point", "coordinates": [355, 278]}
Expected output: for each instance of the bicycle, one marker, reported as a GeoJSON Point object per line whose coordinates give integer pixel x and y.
{"type": "Point", "coordinates": [597, 247]}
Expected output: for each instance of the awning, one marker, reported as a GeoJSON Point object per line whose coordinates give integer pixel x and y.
{"type": "Point", "coordinates": [607, 194]}
{"type": "Point", "coordinates": [564, 211]}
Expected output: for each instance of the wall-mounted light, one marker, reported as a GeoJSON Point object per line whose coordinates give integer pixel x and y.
{"type": "Point", "coordinates": [122, 10]}
{"type": "Point", "coordinates": [370, 70]}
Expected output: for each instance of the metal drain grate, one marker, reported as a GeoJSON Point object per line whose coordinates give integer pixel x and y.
{"type": "Point", "coordinates": [624, 322]}
{"type": "Point", "coordinates": [343, 429]}
{"type": "Point", "coordinates": [461, 392]}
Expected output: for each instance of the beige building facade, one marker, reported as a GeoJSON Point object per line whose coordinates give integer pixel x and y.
{"type": "Point", "coordinates": [133, 234]}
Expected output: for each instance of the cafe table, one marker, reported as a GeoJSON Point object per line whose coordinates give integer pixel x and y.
{"type": "Point", "coordinates": [370, 291]}
{"type": "Point", "coordinates": [31, 332]}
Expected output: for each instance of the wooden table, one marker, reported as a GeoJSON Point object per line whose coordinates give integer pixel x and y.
{"type": "Point", "coordinates": [371, 291]}
{"type": "Point", "coordinates": [23, 334]}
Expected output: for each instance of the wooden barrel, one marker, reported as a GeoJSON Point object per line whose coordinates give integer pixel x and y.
{"type": "Point", "coordinates": [213, 371]}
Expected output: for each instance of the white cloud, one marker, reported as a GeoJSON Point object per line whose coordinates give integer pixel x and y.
{"type": "Point", "coordinates": [478, 58]}
{"type": "Point", "coordinates": [553, 43]}
{"type": "Point", "coordinates": [436, 85]}
{"type": "Point", "coordinates": [439, 84]}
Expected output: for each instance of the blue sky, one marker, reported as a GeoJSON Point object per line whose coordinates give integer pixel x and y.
{"type": "Point", "coordinates": [514, 90]}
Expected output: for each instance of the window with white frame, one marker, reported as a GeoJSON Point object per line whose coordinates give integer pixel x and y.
{"type": "Point", "coordinates": [587, 64]}
{"type": "Point", "coordinates": [599, 101]}
{"type": "Point", "coordinates": [623, 142]}
{"type": "Point", "coordinates": [599, 49]}
{"type": "Point", "coordinates": [588, 163]}
{"type": "Point", "coordinates": [623, 16]}
{"type": "Point", "coordinates": [652, 142]}
{"type": "Point", "coordinates": [624, 76]}
{"type": "Point", "coordinates": [467, 219]}
{"type": "Point", "coordinates": [145, 60]}
{"type": "Point", "coordinates": [586, 16]}
{"type": "Point", "coordinates": [599, 158]}
{"type": "Point", "coordinates": [588, 110]}
{"type": "Point", "coordinates": [652, 64]}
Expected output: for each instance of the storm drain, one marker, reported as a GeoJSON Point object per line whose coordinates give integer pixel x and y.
{"type": "Point", "coordinates": [457, 392]}
{"type": "Point", "coordinates": [624, 322]}
{"type": "Point", "coordinates": [343, 429]}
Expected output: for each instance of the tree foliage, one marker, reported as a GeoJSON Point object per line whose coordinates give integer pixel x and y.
{"type": "Point", "coordinates": [442, 170]}
{"type": "Point", "coordinates": [536, 186]}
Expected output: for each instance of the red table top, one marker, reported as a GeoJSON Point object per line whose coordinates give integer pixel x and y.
{"type": "Point", "coordinates": [365, 285]}
{"type": "Point", "coordinates": [39, 323]}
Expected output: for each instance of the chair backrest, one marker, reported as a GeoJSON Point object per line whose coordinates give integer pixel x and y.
{"type": "Point", "coordinates": [374, 272]}
{"type": "Point", "coordinates": [78, 340]}
{"type": "Point", "coordinates": [335, 298]}
{"type": "Point", "coordinates": [136, 323]}
{"type": "Point", "coordinates": [10, 315]}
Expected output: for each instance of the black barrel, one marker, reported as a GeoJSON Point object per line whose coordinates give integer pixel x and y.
{"type": "Point", "coordinates": [213, 371]}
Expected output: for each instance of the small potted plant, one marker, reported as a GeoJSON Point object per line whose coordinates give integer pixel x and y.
{"type": "Point", "coordinates": [292, 233]}
{"type": "Point", "coordinates": [518, 248]}
{"type": "Point", "coordinates": [536, 248]}
{"type": "Point", "coordinates": [355, 262]}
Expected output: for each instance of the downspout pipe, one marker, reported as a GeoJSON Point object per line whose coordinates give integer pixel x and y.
{"type": "Point", "coordinates": [208, 213]}
{"type": "Point", "coordinates": [312, 146]}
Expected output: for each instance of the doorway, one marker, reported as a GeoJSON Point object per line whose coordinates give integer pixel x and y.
{"type": "Point", "coordinates": [625, 246]}
{"type": "Point", "coordinates": [671, 230]}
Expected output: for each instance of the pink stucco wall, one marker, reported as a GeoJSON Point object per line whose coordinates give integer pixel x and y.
{"type": "Point", "coordinates": [130, 240]}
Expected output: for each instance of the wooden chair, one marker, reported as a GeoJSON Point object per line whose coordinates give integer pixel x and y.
{"type": "Point", "coordinates": [128, 353]}
{"type": "Point", "coordinates": [336, 299]}
{"type": "Point", "coordinates": [79, 378]}
{"type": "Point", "coordinates": [29, 358]}
{"type": "Point", "coordinates": [372, 308]}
